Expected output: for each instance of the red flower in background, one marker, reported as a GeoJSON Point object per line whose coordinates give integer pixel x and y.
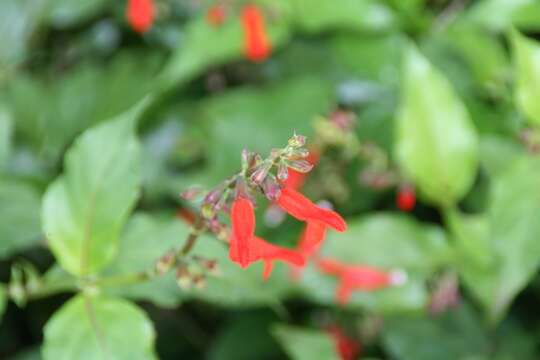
{"type": "Point", "coordinates": [301, 208]}
{"type": "Point", "coordinates": [140, 14]}
{"type": "Point", "coordinates": [346, 347]}
{"type": "Point", "coordinates": [406, 198]}
{"type": "Point", "coordinates": [359, 277]}
{"type": "Point", "coordinates": [216, 15]}
{"type": "Point", "coordinates": [246, 248]}
{"type": "Point", "coordinates": [257, 46]}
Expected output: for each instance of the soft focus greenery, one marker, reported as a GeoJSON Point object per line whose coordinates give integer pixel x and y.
{"type": "Point", "coordinates": [102, 128]}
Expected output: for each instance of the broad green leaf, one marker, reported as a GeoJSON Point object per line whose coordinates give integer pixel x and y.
{"type": "Point", "coordinates": [314, 16]}
{"type": "Point", "coordinates": [498, 154]}
{"type": "Point", "coordinates": [305, 344]}
{"type": "Point", "coordinates": [88, 328]}
{"type": "Point", "coordinates": [388, 242]}
{"type": "Point", "coordinates": [500, 250]}
{"type": "Point", "coordinates": [6, 133]}
{"type": "Point", "coordinates": [527, 69]}
{"type": "Point", "coordinates": [436, 143]}
{"type": "Point", "coordinates": [3, 300]}
{"type": "Point", "coordinates": [456, 334]}
{"type": "Point", "coordinates": [498, 15]}
{"type": "Point", "coordinates": [85, 209]}
{"type": "Point", "coordinates": [19, 217]}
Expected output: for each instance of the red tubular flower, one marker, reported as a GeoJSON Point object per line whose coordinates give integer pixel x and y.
{"type": "Point", "coordinates": [359, 277]}
{"type": "Point", "coordinates": [346, 347]}
{"type": "Point", "coordinates": [296, 179]}
{"type": "Point", "coordinates": [300, 207]}
{"type": "Point", "coordinates": [310, 241]}
{"type": "Point", "coordinates": [256, 42]}
{"type": "Point", "coordinates": [243, 230]}
{"type": "Point", "coordinates": [246, 248]}
{"type": "Point", "coordinates": [140, 14]}
{"type": "Point", "coordinates": [215, 15]}
{"type": "Point", "coordinates": [259, 249]}
{"type": "Point", "coordinates": [406, 198]}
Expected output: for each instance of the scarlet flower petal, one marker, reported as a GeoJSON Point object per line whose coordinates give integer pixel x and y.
{"type": "Point", "coordinates": [300, 207]}
{"type": "Point", "coordinates": [257, 45]}
{"type": "Point", "coordinates": [312, 238]}
{"type": "Point", "coordinates": [140, 14]}
{"type": "Point", "coordinates": [355, 277]}
{"type": "Point", "coordinates": [346, 347]}
{"type": "Point", "coordinates": [243, 230]}
{"type": "Point", "coordinates": [406, 199]}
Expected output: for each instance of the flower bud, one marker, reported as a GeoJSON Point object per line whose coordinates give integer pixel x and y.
{"type": "Point", "coordinates": [183, 277]}
{"type": "Point", "coordinates": [301, 166]}
{"type": "Point", "coordinates": [166, 262]}
{"type": "Point", "coordinates": [207, 211]}
{"type": "Point", "coordinates": [213, 196]}
{"type": "Point", "coordinates": [271, 188]}
{"type": "Point", "coordinates": [283, 172]}
{"type": "Point", "coordinates": [297, 141]}
{"type": "Point", "coordinates": [260, 173]}
{"type": "Point", "coordinates": [191, 193]}
{"type": "Point", "coordinates": [199, 281]}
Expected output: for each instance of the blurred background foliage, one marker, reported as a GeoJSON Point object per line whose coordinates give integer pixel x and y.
{"type": "Point", "coordinates": [447, 89]}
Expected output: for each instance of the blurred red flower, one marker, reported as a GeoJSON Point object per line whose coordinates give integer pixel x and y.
{"type": "Point", "coordinates": [257, 46]}
{"type": "Point", "coordinates": [140, 14]}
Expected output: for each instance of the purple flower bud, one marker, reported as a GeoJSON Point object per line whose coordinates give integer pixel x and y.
{"type": "Point", "coordinates": [282, 173]}
{"type": "Point", "coordinates": [271, 188]}
{"type": "Point", "coordinates": [213, 196]}
{"type": "Point", "coordinates": [260, 174]}
{"type": "Point", "coordinates": [190, 193]}
{"type": "Point", "coordinates": [302, 166]}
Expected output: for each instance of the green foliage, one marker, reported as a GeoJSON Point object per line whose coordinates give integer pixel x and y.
{"type": "Point", "coordinates": [305, 344]}
{"type": "Point", "coordinates": [3, 300]}
{"type": "Point", "coordinates": [85, 209]}
{"type": "Point", "coordinates": [436, 143]}
{"type": "Point", "coordinates": [97, 327]}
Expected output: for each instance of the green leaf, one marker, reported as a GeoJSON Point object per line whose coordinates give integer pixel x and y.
{"type": "Point", "coordinates": [527, 69]}
{"type": "Point", "coordinates": [436, 143]}
{"type": "Point", "coordinates": [98, 327]}
{"type": "Point", "coordinates": [85, 209]}
{"type": "Point", "coordinates": [19, 221]}
{"type": "Point", "coordinates": [388, 242]}
{"type": "Point", "coordinates": [305, 344]}
{"type": "Point", "coordinates": [452, 335]}
{"type": "Point", "coordinates": [314, 16]}
{"type": "Point", "coordinates": [498, 15]}
{"type": "Point", "coordinates": [502, 247]}
{"type": "Point", "coordinates": [6, 132]}
{"type": "Point", "coordinates": [3, 300]}
{"type": "Point", "coordinates": [65, 13]}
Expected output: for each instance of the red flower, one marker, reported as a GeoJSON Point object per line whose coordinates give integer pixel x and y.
{"type": "Point", "coordinates": [406, 198]}
{"type": "Point", "coordinates": [216, 15]}
{"type": "Point", "coordinates": [297, 179]}
{"type": "Point", "coordinates": [359, 277]}
{"type": "Point", "coordinates": [300, 207]}
{"type": "Point", "coordinates": [309, 243]}
{"type": "Point", "coordinates": [346, 347]}
{"type": "Point", "coordinates": [246, 248]}
{"type": "Point", "coordinates": [257, 45]}
{"type": "Point", "coordinates": [140, 14]}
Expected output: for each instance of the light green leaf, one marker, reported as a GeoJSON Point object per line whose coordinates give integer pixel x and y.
{"type": "Point", "coordinates": [3, 300]}
{"type": "Point", "coordinates": [19, 217]}
{"type": "Point", "coordinates": [388, 242]}
{"type": "Point", "coordinates": [527, 69]}
{"type": "Point", "coordinates": [314, 16]}
{"type": "Point", "coordinates": [88, 328]}
{"type": "Point", "coordinates": [6, 132]}
{"type": "Point", "coordinates": [436, 143]}
{"type": "Point", "coordinates": [502, 249]}
{"type": "Point", "coordinates": [452, 335]}
{"type": "Point", "coordinates": [305, 344]}
{"type": "Point", "coordinates": [498, 15]}
{"type": "Point", "coordinates": [85, 209]}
